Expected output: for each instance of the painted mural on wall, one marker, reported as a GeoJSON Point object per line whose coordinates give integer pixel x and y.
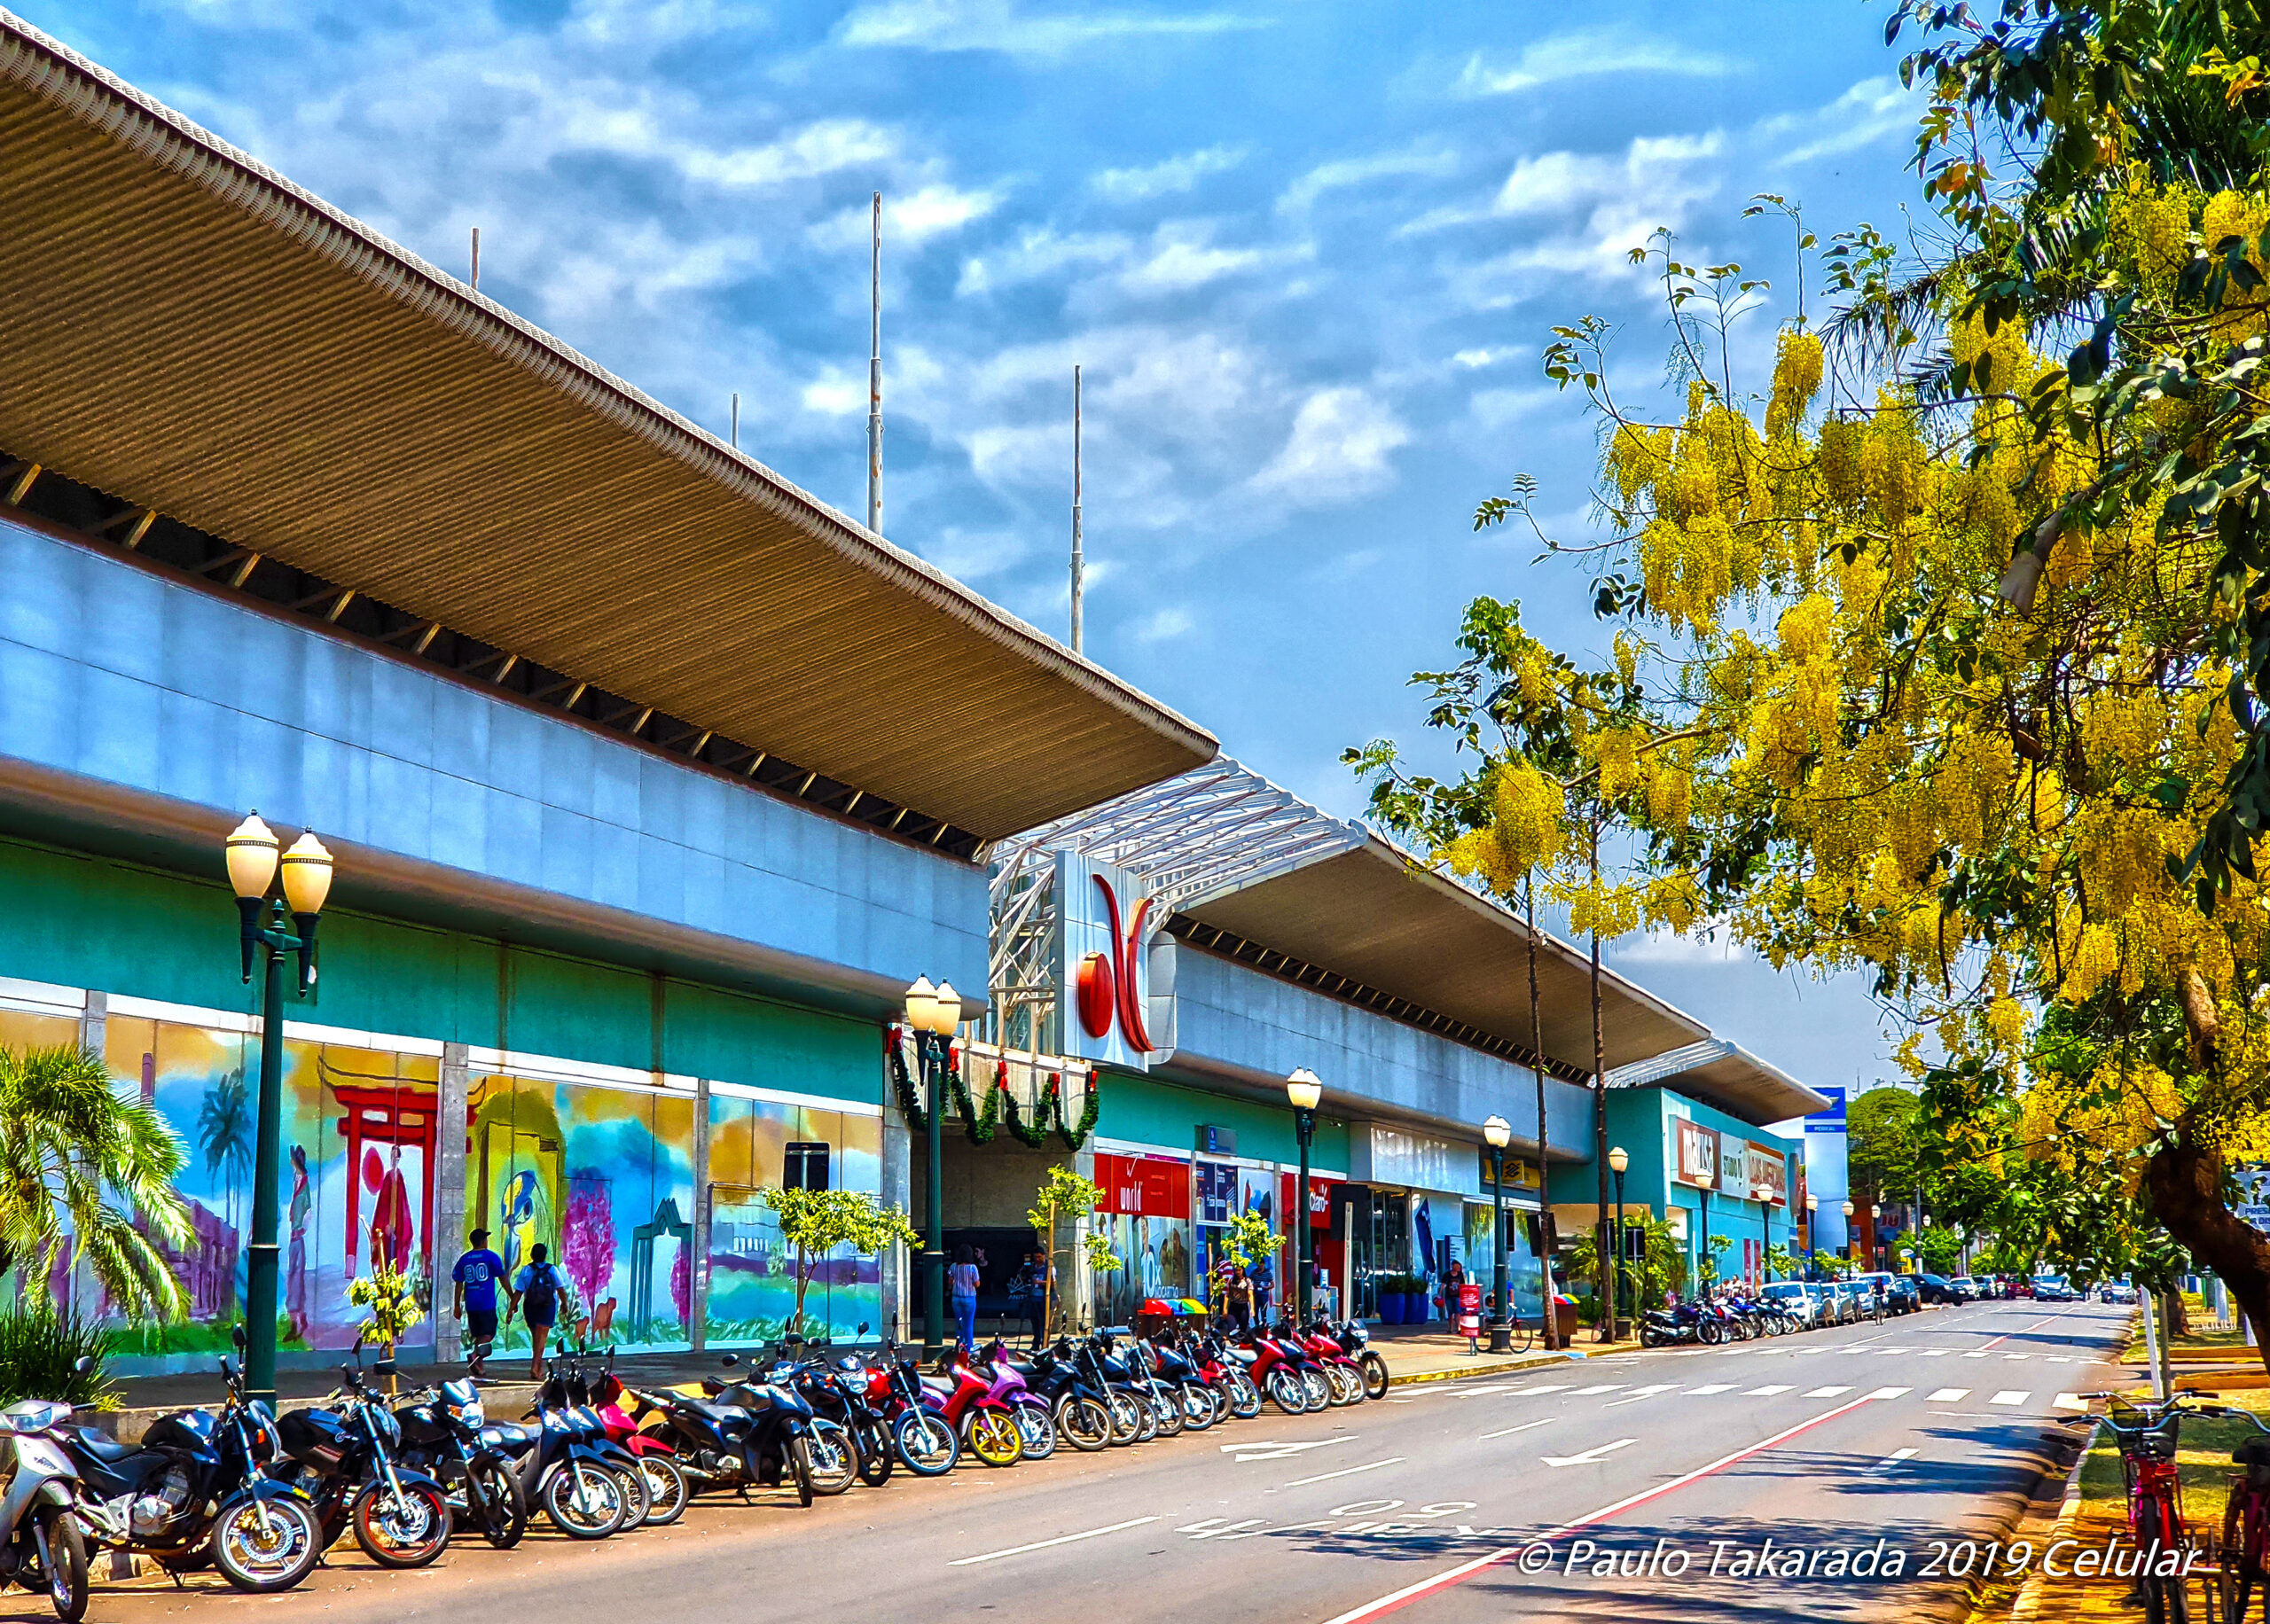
{"type": "Point", "coordinates": [603, 1178]}
{"type": "Point", "coordinates": [356, 1186]}
{"type": "Point", "coordinates": [754, 1144]}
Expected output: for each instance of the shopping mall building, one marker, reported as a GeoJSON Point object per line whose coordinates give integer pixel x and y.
{"type": "Point", "coordinates": [653, 782]}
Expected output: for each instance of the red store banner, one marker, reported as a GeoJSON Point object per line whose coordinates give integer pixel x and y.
{"type": "Point", "coordinates": [1319, 1198]}
{"type": "Point", "coordinates": [1144, 1186]}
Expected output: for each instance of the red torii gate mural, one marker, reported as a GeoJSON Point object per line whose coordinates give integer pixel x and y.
{"type": "Point", "coordinates": [389, 1113]}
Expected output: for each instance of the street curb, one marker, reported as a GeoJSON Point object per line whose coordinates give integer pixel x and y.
{"type": "Point", "coordinates": [1501, 1368]}
{"type": "Point", "coordinates": [2004, 1524]}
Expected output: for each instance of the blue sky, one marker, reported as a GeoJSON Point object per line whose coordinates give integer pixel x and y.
{"type": "Point", "coordinates": [1307, 252]}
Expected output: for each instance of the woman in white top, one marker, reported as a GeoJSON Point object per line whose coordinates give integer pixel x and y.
{"type": "Point", "coordinates": [961, 1288]}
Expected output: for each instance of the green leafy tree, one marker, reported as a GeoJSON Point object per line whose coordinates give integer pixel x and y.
{"type": "Point", "coordinates": [1659, 1270]}
{"type": "Point", "coordinates": [1709, 1265]}
{"type": "Point", "coordinates": [1884, 1126]}
{"type": "Point", "coordinates": [78, 1162]}
{"type": "Point", "coordinates": [815, 1222]}
{"type": "Point", "coordinates": [1782, 1263]}
{"type": "Point", "coordinates": [1064, 1198]}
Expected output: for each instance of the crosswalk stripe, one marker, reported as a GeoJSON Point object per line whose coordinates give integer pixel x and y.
{"type": "Point", "coordinates": [1716, 1386]}
{"type": "Point", "coordinates": [1764, 1393]}
{"type": "Point", "coordinates": [1890, 1393]}
{"type": "Point", "coordinates": [1826, 1392]}
{"type": "Point", "coordinates": [2012, 1396]}
{"type": "Point", "coordinates": [1948, 1395]}
{"type": "Point", "coordinates": [1661, 1387]}
{"type": "Point", "coordinates": [2017, 1355]}
{"type": "Point", "coordinates": [1976, 1353]}
{"type": "Point", "coordinates": [2069, 1401]}
{"type": "Point", "coordinates": [1936, 1353]}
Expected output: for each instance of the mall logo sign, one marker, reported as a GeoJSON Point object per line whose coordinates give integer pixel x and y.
{"type": "Point", "coordinates": [1115, 970]}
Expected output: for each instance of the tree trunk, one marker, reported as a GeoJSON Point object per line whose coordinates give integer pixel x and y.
{"type": "Point", "coordinates": [1605, 1276]}
{"type": "Point", "coordinates": [2184, 1179]}
{"type": "Point", "coordinates": [1544, 1177]}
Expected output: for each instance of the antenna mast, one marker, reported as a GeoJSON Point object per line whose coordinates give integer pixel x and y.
{"type": "Point", "coordinates": [876, 377]}
{"type": "Point", "coordinates": [476, 259]}
{"type": "Point", "coordinates": [1079, 564]}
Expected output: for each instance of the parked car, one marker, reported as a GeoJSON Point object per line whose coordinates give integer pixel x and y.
{"type": "Point", "coordinates": [2052, 1288]}
{"type": "Point", "coordinates": [1899, 1295]}
{"type": "Point", "coordinates": [1843, 1303]}
{"type": "Point", "coordinates": [1936, 1291]}
{"type": "Point", "coordinates": [1795, 1299]}
{"type": "Point", "coordinates": [1907, 1294]}
{"type": "Point", "coordinates": [2115, 1291]}
{"type": "Point", "coordinates": [1965, 1288]}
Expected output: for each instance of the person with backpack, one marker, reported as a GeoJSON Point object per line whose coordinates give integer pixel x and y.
{"type": "Point", "coordinates": [537, 1292]}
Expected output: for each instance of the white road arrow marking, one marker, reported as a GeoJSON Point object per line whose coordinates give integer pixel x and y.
{"type": "Point", "coordinates": [1278, 1451]}
{"type": "Point", "coordinates": [1590, 1455]}
{"type": "Point", "coordinates": [1510, 1431]}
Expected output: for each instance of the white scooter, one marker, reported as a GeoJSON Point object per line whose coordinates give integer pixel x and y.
{"type": "Point", "coordinates": [41, 1546]}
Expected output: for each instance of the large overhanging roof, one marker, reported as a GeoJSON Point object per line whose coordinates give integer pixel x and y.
{"type": "Point", "coordinates": [1252, 869]}
{"type": "Point", "coordinates": [1726, 1075]}
{"type": "Point", "coordinates": [192, 333]}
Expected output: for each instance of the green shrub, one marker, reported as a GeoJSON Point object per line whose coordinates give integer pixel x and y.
{"type": "Point", "coordinates": [40, 1350]}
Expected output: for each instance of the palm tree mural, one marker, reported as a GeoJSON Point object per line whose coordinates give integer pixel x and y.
{"type": "Point", "coordinates": [224, 1136]}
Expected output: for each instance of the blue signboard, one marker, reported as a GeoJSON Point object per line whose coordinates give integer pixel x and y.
{"type": "Point", "coordinates": [1831, 1120]}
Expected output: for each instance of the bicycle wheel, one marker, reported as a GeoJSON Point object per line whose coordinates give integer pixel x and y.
{"type": "Point", "coordinates": [2243, 1551]}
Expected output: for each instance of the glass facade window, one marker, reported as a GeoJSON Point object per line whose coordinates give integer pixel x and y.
{"type": "Point", "coordinates": [756, 1145]}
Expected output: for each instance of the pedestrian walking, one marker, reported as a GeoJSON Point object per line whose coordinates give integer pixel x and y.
{"type": "Point", "coordinates": [537, 1293]}
{"type": "Point", "coordinates": [961, 1287]}
{"type": "Point", "coordinates": [1240, 1294]}
{"type": "Point", "coordinates": [478, 1272]}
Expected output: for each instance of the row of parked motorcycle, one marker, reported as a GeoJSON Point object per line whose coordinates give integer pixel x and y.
{"type": "Point", "coordinates": [1735, 1318]}
{"type": "Point", "coordinates": [260, 1498]}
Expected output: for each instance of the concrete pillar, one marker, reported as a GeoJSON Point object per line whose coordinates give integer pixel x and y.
{"type": "Point", "coordinates": [93, 1030]}
{"type": "Point", "coordinates": [451, 1220]}
{"type": "Point", "coordinates": [898, 1191]}
{"type": "Point", "coordinates": [697, 1274]}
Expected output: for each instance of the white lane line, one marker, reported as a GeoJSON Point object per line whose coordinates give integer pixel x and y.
{"type": "Point", "coordinates": [2012, 1396]}
{"type": "Point", "coordinates": [1898, 1455]}
{"type": "Point", "coordinates": [1606, 1386]}
{"type": "Point", "coordinates": [1638, 1393]}
{"type": "Point", "coordinates": [1976, 1353]}
{"type": "Point", "coordinates": [1948, 1395]}
{"type": "Point", "coordinates": [1531, 1391]}
{"type": "Point", "coordinates": [1767, 1392]}
{"type": "Point", "coordinates": [1936, 1352]}
{"type": "Point", "coordinates": [1890, 1393]}
{"type": "Point", "coordinates": [1716, 1386]}
{"type": "Point", "coordinates": [1827, 1393]}
{"type": "Point", "coordinates": [1018, 1550]}
{"type": "Point", "coordinates": [1345, 1472]}
{"type": "Point", "coordinates": [1524, 1427]}
{"type": "Point", "coordinates": [2017, 1355]}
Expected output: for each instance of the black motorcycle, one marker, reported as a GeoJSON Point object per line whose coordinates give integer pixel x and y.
{"type": "Point", "coordinates": [442, 1430]}
{"type": "Point", "coordinates": [344, 1455]}
{"type": "Point", "coordinates": [194, 1492]}
{"type": "Point", "coordinates": [837, 1391]}
{"type": "Point", "coordinates": [587, 1485]}
{"type": "Point", "coordinates": [737, 1435]}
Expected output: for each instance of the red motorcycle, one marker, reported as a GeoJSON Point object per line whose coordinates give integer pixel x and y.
{"type": "Point", "coordinates": [667, 1489]}
{"type": "Point", "coordinates": [1281, 1371]}
{"type": "Point", "coordinates": [1344, 1375]}
{"type": "Point", "coordinates": [963, 1399]}
{"type": "Point", "coordinates": [1222, 1370]}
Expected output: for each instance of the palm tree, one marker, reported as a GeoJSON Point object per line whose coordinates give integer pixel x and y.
{"type": "Point", "coordinates": [224, 1133]}
{"type": "Point", "coordinates": [69, 1149]}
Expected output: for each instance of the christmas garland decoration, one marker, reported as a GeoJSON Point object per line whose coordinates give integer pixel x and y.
{"type": "Point", "coordinates": [910, 1099]}
{"type": "Point", "coordinates": [980, 1125]}
{"type": "Point", "coordinates": [1074, 1137]}
{"type": "Point", "coordinates": [1032, 1136]}
{"type": "Point", "coordinates": [999, 1103]}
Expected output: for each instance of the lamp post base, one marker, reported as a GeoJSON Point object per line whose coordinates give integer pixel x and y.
{"type": "Point", "coordinates": [1501, 1336]}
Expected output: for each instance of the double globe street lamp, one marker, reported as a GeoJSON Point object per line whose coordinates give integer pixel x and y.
{"type": "Point", "coordinates": [1305, 1089]}
{"type": "Point", "coordinates": [1499, 1133]}
{"type": "Point", "coordinates": [932, 1014]}
{"type": "Point", "coordinates": [1617, 1162]}
{"type": "Point", "coordinates": [278, 927]}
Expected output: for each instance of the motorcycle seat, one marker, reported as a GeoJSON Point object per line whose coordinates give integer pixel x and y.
{"type": "Point", "coordinates": [101, 1446]}
{"type": "Point", "coordinates": [1243, 1357]}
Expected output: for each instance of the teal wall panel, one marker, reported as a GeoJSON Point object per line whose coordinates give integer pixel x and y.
{"type": "Point", "coordinates": [1152, 1111]}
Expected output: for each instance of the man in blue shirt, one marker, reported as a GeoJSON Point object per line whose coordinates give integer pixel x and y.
{"type": "Point", "coordinates": [478, 1274]}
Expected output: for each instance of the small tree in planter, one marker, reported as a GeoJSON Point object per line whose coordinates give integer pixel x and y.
{"type": "Point", "coordinates": [392, 1300]}
{"type": "Point", "coordinates": [816, 1221]}
{"type": "Point", "coordinates": [1064, 1195]}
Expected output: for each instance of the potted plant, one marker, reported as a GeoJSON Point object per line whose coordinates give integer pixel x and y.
{"type": "Point", "coordinates": [1388, 1290]}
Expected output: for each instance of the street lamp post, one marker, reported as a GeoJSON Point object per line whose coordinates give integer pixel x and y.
{"type": "Point", "coordinates": [1875, 1239]}
{"type": "Point", "coordinates": [1618, 1160]}
{"type": "Point", "coordinates": [1304, 1088]}
{"type": "Point", "coordinates": [932, 1013]}
{"type": "Point", "coordinates": [252, 854]}
{"type": "Point", "coordinates": [1812, 1234]}
{"type": "Point", "coordinates": [1763, 1194]}
{"type": "Point", "coordinates": [1499, 1133]}
{"type": "Point", "coordinates": [1850, 1245]}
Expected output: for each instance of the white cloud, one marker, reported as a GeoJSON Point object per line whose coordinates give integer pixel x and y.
{"type": "Point", "coordinates": [1348, 172]}
{"type": "Point", "coordinates": [1163, 625]}
{"type": "Point", "coordinates": [995, 25]}
{"type": "Point", "coordinates": [1864, 115]}
{"type": "Point", "coordinates": [817, 149]}
{"type": "Point", "coordinates": [1039, 253]}
{"type": "Point", "coordinates": [1474, 360]}
{"type": "Point", "coordinates": [835, 393]}
{"type": "Point", "coordinates": [1584, 56]}
{"type": "Point", "coordinates": [1340, 440]}
{"type": "Point", "coordinates": [1170, 176]}
{"type": "Point", "coordinates": [909, 219]}
{"type": "Point", "coordinates": [1182, 255]}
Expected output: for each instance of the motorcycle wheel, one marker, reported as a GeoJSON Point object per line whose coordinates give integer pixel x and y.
{"type": "Point", "coordinates": [1084, 1424]}
{"type": "Point", "coordinates": [636, 1501]}
{"type": "Point", "coordinates": [1126, 1419]}
{"type": "Point", "coordinates": [1288, 1391]}
{"type": "Point", "coordinates": [1649, 1337]}
{"type": "Point", "coordinates": [1346, 1388]}
{"type": "Point", "coordinates": [1147, 1420]}
{"type": "Point", "coordinates": [1200, 1407]}
{"type": "Point", "coordinates": [800, 1465]}
{"type": "Point", "coordinates": [874, 1452]}
{"type": "Point", "coordinates": [262, 1546]}
{"type": "Point", "coordinates": [834, 1461]}
{"type": "Point", "coordinates": [994, 1438]}
{"type": "Point", "coordinates": [502, 1507]}
{"type": "Point", "coordinates": [1710, 1332]}
{"type": "Point", "coordinates": [926, 1444]}
{"type": "Point", "coordinates": [1166, 1408]}
{"type": "Point", "coordinates": [1374, 1374]}
{"type": "Point", "coordinates": [1320, 1391]}
{"type": "Point", "coordinates": [667, 1490]}
{"type": "Point", "coordinates": [409, 1530]}
{"type": "Point", "coordinates": [583, 1501]}
{"type": "Point", "coordinates": [66, 1562]}
{"type": "Point", "coordinates": [1039, 1429]}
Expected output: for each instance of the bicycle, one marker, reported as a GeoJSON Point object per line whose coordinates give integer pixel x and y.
{"type": "Point", "coordinates": [2147, 1442]}
{"type": "Point", "coordinates": [2246, 1521]}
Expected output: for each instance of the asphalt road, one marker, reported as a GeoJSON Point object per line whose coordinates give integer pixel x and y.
{"type": "Point", "coordinates": [1421, 1505]}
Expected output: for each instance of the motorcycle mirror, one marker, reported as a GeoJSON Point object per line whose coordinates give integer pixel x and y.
{"type": "Point", "coordinates": [237, 1336]}
{"type": "Point", "coordinates": [384, 1367]}
{"type": "Point", "coordinates": [731, 1360]}
{"type": "Point", "coordinates": [84, 1364]}
{"type": "Point", "coordinates": [863, 1328]}
{"type": "Point", "coordinates": [228, 1368]}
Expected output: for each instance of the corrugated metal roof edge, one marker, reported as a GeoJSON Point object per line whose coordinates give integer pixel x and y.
{"type": "Point", "coordinates": [394, 268]}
